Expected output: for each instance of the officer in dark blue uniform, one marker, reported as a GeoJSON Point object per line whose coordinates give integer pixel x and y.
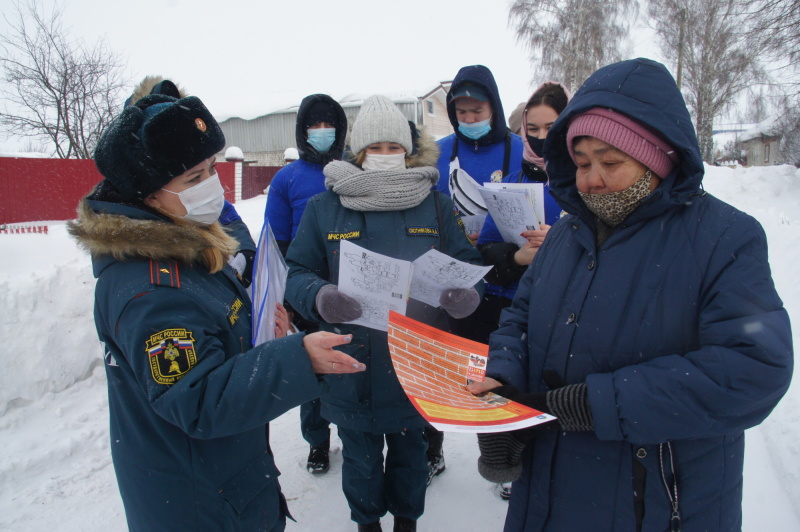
{"type": "Point", "coordinates": [190, 397]}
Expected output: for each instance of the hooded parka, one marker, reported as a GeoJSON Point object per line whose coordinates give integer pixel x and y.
{"type": "Point", "coordinates": [296, 182]}
{"type": "Point", "coordinates": [189, 397]}
{"type": "Point", "coordinates": [489, 158]}
{"type": "Point", "coordinates": [674, 325]}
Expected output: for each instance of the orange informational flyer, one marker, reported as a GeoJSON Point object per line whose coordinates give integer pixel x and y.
{"type": "Point", "coordinates": [433, 367]}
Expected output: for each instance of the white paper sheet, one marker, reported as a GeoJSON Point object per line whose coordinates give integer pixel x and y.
{"type": "Point", "coordinates": [434, 272]}
{"type": "Point", "coordinates": [512, 212]}
{"type": "Point", "coordinates": [473, 223]}
{"type": "Point", "coordinates": [535, 195]}
{"type": "Point", "coordinates": [379, 283]}
{"type": "Point", "coordinates": [269, 286]}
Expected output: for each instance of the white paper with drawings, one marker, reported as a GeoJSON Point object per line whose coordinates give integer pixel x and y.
{"type": "Point", "coordinates": [434, 272]}
{"type": "Point", "coordinates": [535, 195]}
{"type": "Point", "coordinates": [473, 223]}
{"type": "Point", "coordinates": [379, 283]}
{"type": "Point", "coordinates": [512, 212]}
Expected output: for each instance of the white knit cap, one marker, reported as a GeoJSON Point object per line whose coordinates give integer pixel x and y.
{"type": "Point", "coordinates": [379, 120]}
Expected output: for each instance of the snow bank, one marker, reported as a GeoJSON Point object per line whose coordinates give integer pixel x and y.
{"type": "Point", "coordinates": [56, 469]}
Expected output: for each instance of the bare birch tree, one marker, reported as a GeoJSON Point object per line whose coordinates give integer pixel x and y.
{"type": "Point", "coordinates": [720, 57]}
{"type": "Point", "coordinates": [570, 39]}
{"type": "Point", "coordinates": [56, 89]}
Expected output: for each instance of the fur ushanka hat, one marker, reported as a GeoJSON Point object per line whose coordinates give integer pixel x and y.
{"type": "Point", "coordinates": [155, 140]}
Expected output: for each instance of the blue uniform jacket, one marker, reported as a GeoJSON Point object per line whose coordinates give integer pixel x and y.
{"type": "Point", "coordinates": [674, 324]}
{"type": "Point", "coordinates": [483, 158]}
{"type": "Point", "coordinates": [371, 401]}
{"type": "Point", "coordinates": [190, 399]}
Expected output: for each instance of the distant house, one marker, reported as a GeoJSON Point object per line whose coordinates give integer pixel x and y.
{"type": "Point", "coordinates": [761, 144]}
{"type": "Point", "coordinates": [263, 139]}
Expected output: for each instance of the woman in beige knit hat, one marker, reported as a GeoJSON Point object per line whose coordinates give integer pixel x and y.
{"type": "Point", "coordinates": [382, 201]}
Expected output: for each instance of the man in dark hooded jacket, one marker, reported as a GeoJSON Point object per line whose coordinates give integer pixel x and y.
{"type": "Point", "coordinates": [648, 324]}
{"type": "Point", "coordinates": [481, 150]}
{"type": "Point", "coordinates": [320, 135]}
{"type": "Point", "coordinates": [482, 147]}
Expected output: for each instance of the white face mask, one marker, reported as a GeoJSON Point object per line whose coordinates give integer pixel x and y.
{"type": "Point", "coordinates": [373, 161]}
{"type": "Point", "coordinates": [203, 202]}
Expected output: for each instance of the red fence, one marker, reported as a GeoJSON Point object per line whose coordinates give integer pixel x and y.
{"type": "Point", "coordinates": [255, 179]}
{"type": "Point", "coordinates": [50, 189]}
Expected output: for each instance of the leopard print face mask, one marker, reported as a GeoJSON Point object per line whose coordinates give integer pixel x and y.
{"type": "Point", "coordinates": [614, 207]}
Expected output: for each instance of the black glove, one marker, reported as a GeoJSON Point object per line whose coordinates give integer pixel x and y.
{"type": "Point", "coordinates": [459, 302]}
{"type": "Point", "coordinates": [336, 307]}
{"type": "Point", "coordinates": [537, 401]}
{"type": "Point", "coordinates": [569, 404]}
{"type": "Point", "coordinates": [501, 457]}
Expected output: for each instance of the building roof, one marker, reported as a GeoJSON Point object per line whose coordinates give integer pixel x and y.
{"type": "Point", "coordinates": [765, 128]}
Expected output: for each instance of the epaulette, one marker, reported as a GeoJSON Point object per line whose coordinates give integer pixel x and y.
{"type": "Point", "coordinates": [165, 273]}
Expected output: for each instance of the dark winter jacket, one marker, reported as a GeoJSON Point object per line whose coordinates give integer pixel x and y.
{"type": "Point", "coordinates": [189, 397]}
{"type": "Point", "coordinates": [234, 224]}
{"type": "Point", "coordinates": [372, 401]}
{"type": "Point", "coordinates": [502, 280]}
{"type": "Point", "coordinates": [296, 182]}
{"type": "Point", "coordinates": [483, 159]}
{"type": "Point", "coordinates": [674, 325]}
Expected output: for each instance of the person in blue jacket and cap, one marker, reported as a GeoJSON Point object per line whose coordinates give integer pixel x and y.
{"type": "Point", "coordinates": [648, 324]}
{"type": "Point", "coordinates": [481, 150]}
{"type": "Point", "coordinates": [190, 398]}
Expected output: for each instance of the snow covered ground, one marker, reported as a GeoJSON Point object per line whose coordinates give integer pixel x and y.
{"type": "Point", "coordinates": [55, 467]}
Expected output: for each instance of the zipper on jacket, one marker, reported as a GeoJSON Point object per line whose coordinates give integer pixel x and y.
{"type": "Point", "coordinates": [639, 482]}
{"type": "Point", "coordinates": [672, 492]}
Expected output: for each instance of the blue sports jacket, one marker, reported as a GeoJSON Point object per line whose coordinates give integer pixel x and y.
{"type": "Point", "coordinates": [483, 159]}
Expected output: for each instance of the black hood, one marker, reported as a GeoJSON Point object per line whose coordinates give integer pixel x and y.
{"type": "Point", "coordinates": [479, 75]}
{"type": "Point", "coordinates": [306, 151]}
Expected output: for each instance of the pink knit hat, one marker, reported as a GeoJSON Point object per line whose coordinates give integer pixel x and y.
{"type": "Point", "coordinates": [624, 134]}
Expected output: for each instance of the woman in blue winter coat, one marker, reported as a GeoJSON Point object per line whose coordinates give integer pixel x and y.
{"type": "Point", "coordinates": [190, 398]}
{"type": "Point", "coordinates": [648, 324]}
{"type": "Point", "coordinates": [383, 202]}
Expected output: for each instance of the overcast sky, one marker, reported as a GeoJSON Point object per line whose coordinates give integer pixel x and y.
{"type": "Point", "coordinates": [249, 57]}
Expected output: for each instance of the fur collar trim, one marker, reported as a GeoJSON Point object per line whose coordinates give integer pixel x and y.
{"type": "Point", "coordinates": [126, 238]}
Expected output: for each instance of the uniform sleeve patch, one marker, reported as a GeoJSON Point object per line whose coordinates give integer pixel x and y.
{"type": "Point", "coordinates": [171, 354]}
{"type": "Point", "coordinates": [422, 231]}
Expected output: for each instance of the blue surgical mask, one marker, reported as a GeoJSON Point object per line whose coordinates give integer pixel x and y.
{"type": "Point", "coordinates": [321, 139]}
{"type": "Point", "coordinates": [475, 130]}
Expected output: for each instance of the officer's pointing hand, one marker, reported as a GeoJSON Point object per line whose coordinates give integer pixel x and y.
{"type": "Point", "coordinates": [325, 359]}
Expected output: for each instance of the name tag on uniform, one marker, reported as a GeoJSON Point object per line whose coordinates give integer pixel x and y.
{"type": "Point", "coordinates": [352, 235]}
{"type": "Point", "coordinates": [422, 231]}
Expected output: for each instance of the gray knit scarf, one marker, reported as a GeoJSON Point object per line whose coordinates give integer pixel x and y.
{"type": "Point", "coordinates": [379, 190]}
